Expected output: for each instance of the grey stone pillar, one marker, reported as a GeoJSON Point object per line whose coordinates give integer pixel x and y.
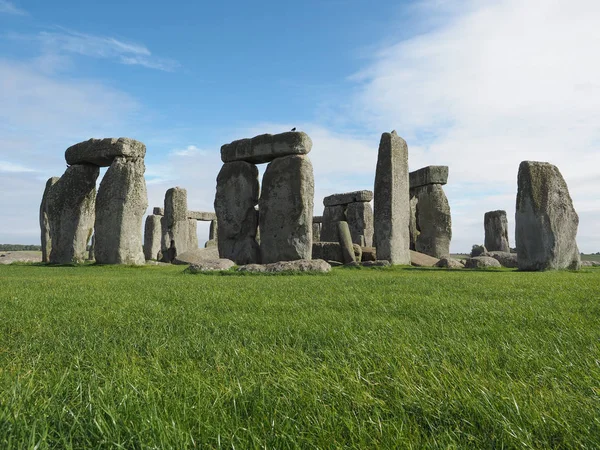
{"type": "Point", "coordinates": [152, 237]}
{"type": "Point", "coordinates": [360, 220]}
{"type": "Point", "coordinates": [175, 225]}
{"type": "Point", "coordinates": [495, 225]}
{"type": "Point", "coordinates": [46, 238]}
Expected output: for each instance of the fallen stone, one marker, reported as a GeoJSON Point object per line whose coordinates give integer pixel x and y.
{"type": "Point", "coordinates": [433, 220]}
{"type": "Point", "coordinates": [450, 263]}
{"type": "Point", "coordinates": [359, 216]}
{"type": "Point", "coordinates": [196, 256]}
{"type": "Point", "coordinates": [70, 206]}
{"type": "Point", "coordinates": [376, 263]}
{"type": "Point", "coordinates": [368, 254]}
{"type": "Point", "coordinates": [422, 260]}
{"type": "Point", "coordinates": [332, 251]}
{"type": "Point", "coordinates": [391, 200]}
{"type": "Point", "coordinates": [299, 265]}
{"type": "Point", "coordinates": [495, 225]}
{"type": "Point", "coordinates": [348, 197]}
{"type": "Point", "coordinates": [235, 199]}
{"type": "Point", "coordinates": [546, 222]}
{"type": "Point", "coordinates": [152, 237]}
{"type": "Point", "coordinates": [210, 265]}
{"type": "Point", "coordinates": [46, 238]}
{"type": "Point", "coordinates": [102, 152]}
{"type": "Point", "coordinates": [266, 147]}
{"type": "Point", "coordinates": [202, 216]}
{"type": "Point", "coordinates": [429, 175]}
{"type": "Point", "coordinates": [121, 203]}
{"type": "Point", "coordinates": [506, 259]}
{"type": "Point", "coordinates": [481, 262]}
{"type": "Point", "coordinates": [286, 210]}
{"type": "Point", "coordinates": [157, 211]}
{"type": "Point", "coordinates": [478, 250]}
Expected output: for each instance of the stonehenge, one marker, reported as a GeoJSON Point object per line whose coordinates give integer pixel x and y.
{"type": "Point", "coordinates": [495, 225]}
{"type": "Point", "coordinates": [430, 220]}
{"type": "Point", "coordinates": [391, 205]}
{"type": "Point", "coordinates": [352, 207]}
{"type": "Point", "coordinates": [545, 220]}
{"type": "Point", "coordinates": [284, 211]}
{"type": "Point", "coordinates": [45, 222]}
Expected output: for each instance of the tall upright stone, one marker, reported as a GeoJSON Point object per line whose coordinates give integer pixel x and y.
{"type": "Point", "coordinates": [176, 225]}
{"type": "Point", "coordinates": [495, 225]}
{"type": "Point", "coordinates": [545, 220]}
{"type": "Point", "coordinates": [152, 237]}
{"type": "Point", "coordinates": [391, 200]}
{"type": "Point", "coordinates": [120, 207]}
{"type": "Point", "coordinates": [70, 207]}
{"type": "Point", "coordinates": [235, 201]}
{"type": "Point", "coordinates": [286, 209]}
{"type": "Point", "coordinates": [360, 220]}
{"type": "Point", "coordinates": [433, 221]}
{"type": "Point", "coordinates": [46, 238]}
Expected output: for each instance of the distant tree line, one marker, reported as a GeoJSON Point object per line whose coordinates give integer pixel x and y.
{"type": "Point", "coordinates": [19, 248]}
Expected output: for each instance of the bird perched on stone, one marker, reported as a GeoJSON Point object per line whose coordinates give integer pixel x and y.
{"type": "Point", "coordinates": [294, 129]}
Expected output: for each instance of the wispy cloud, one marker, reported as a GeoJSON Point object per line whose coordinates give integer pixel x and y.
{"type": "Point", "coordinates": [190, 150]}
{"type": "Point", "coordinates": [7, 7]}
{"type": "Point", "coordinates": [8, 167]}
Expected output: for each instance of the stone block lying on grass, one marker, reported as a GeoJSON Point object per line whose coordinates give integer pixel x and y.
{"type": "Point", "coordinates": [505, 259]}
{"type": "Point", "coordinates": [197, 256]}
{"type": "Point", "coordinates": [376, 263]}
{"type": "Point", "coordinates": [481, 262]}
{"type": "Point", "coordinates": [299, 265]}
{"type": "Point", "coordinates": [450, 263]}
{"type": "Point", "coordinates": [422, 260]}
{"type": "Point", "coordinates": [332, 251]}
{"type": "Point", "coordinates": [210, 265]}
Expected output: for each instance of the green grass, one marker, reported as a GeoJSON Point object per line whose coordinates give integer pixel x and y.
{"type": "Point", "coordinates": [118, 357]}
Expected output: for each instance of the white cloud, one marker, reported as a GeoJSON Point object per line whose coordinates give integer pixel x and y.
{"type": "Point", "coordinates": [8, 167]}
{"type": "Point", "coordinates": [7, 7]}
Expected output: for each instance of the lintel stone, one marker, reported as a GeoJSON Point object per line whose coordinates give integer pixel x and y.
{"type": "Point", "coordinates": [266, 147]}
{"type": "Point", "coordinates": [348, 197]}
{"type": "Point", "coordinates": [102, 152]}
{"type": "Point", "coordinates": [428, 175]}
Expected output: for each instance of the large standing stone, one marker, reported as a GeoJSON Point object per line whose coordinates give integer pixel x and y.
{"type": "Point", "coordinates": [331, 216]}
{"type": "Point", "coordinates": [176, 225]}
{"type": "Point", "coordinates": [235, 201]}
{"type": "Point", "coordinates": [391, 203]}
{"type": "Point", "coordinates": [496, 231]}
{"type": "Point", "coordinates": [546, 222]}
{"type": "Point", "coordinates": [70, 208]}
{"type": "Point", "coordinates": [44, 221]}
{"type": "Point", "coordinates": [102, 152]}
{"type": "Point", "coordinates": [192, 234]}
{"type": "Point", "coordinates": [286, 210]}
{"type": "Point", "coordinates": [120, 207]}
{"type": "Point", "coordinates": [152, 237]}
{"type": "Point", "coordinates": [360, 220]}
{"type": "Point", "coordinates": [266, 147]}
{"type": "Point", "coordinates": [434, 222]}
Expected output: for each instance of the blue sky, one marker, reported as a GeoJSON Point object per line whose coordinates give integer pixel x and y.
{"type": "Point", "coordinates": [476, 85]}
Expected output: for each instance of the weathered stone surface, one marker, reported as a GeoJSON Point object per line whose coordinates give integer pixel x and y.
{"type": "Point", "coordinates": [46, 238]}
{"type": "Point", "coordinates": [360, 220]}
{"type": "Point", "coordinates": [332, 251]}
{"type": "Point", "coordinates": [433, 221]}
{"type": "Point", "coordinates": [428, 175]}
{"type": "Point", "coordinates": [481, 262]}
{"type": "Point", "coordinates": [266, 147]}
{"type": "Point", "coordinates": [152, 237]}
{"type": "Point", "coordinates": [546, 222]}
{"type": "Point", "coordinates": [345, 240]}
{"type": "Point", "coordinates": [450, 263]}
{"type": "Point", "coordinates": [120, 207]}
{"type": "Point", "coordinates": [210, 265]}
{"type": "Point", "coordinates": [376, 263]}
{"type": "Point", "coordinates": [158, 211]}
{"type": "Point", "coordinates": [192, 234]}
{"type": "Point", "coordinates": [202, 216]}
{"type": "Point", "coordinates": [286, 209]}
{"type": "Point", "coordinates": [422, 260]}
{"type": "Point", "coordinates": [412, 226]}
{"type": "Point", "coordinates": [299, 265]}
{"type": "Point", "coordinates": [235, 199]}
{"type": "Point", "coordinates": [506, 259]}
{"type": "Point", "coordinates": [331, 216]}
{"type": "Point", "coordinates": [369, 254]}
{"type": "Point", "coordinates": [495, 224]}
{"type": "Point", "coordinates": [197, 255]}
{"type": "Point", "coordinates": [102, 152]}
{"type": "Point", "coordinates": [348, 197]}
{"type": "Point", "coordinates": [92, 249]}
{"type": "Point", "coordinates": [478, 250]}
{"type": "Point", "coordinates": [176, 237]}
{"type": "Point", "coordinates": [316, 231]}
{"type": "Point", "coordinates": [70, 206]}
{"type": "Point", "coordinates": [391, 202]}
{"type": "Point", "coordinates": [213, 230]}
{"type": "Point", "coordinates": [317, 219]}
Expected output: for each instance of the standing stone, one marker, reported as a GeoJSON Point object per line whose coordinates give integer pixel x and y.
{"type": "Point", "coordinates": [495, 224]}
{"type": "Point", "coordinates": [346, 242]}
{"type": "Point", "coordinates": [70, 208]}
{"type": "Point", "coordinates": [359, 216]}
{"type": "Point", "coordinates": [331, 216]}
{"type": "Point", "coordinates": [120, 207]}
{"type": "Point", "coordinates": [286, 210]}
{"type": "Point", "coordinates": [92, 249]}
{"type": "Point", "coordinates": [546, 222]}
{"type": "Point", "coordinates": [44, 221]}
{"type": "Point", "coordinates": [413, 229]}
{"type": "Point", "coordinates": [192, 234]}
{"type": "Point", "coordinates": [434, 222]}
{"type": "Point", "coordinates": [176, 225]}
{"type": "Point", "coordinates": [391, 203]}
{"type": "Point", "coordinates": [316, 231]}
{"type": "Point", "coordinates": [213, 230]}
{"type": "Point", "coordinates": [152, 237]}
{"type": "Point", "coordinates": [235, 199]}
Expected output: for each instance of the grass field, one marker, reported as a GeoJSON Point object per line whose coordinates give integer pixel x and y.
{"type": "Point", "coordinates": [120, 357]}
